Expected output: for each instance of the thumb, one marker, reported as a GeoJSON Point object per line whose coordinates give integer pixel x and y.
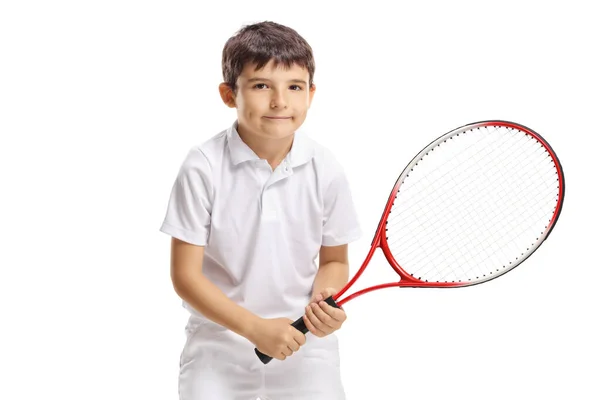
{"type": "Point", "coordinates": [327, 292]}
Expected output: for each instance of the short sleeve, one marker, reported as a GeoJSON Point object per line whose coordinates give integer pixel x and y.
{"type": "Point", "coordinates": [189, 207]}
{"type": "Point", "coordinates": [340, 222]}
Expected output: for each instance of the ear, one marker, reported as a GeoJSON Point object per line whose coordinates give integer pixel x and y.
{"type": "Point", "coordinates": [311, 93]}
{"type": "Point", "coordinates": [227, 95]}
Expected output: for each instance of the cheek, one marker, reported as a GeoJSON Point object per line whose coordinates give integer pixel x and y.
{"type": "Point", "coordinates": [303, 104]}
{"type": "Point", "coordinates": [244, 110]}
{"type": "Point", "coordinates": [252, 108]}
{"type": "Point", "coordinates": [302, 111]}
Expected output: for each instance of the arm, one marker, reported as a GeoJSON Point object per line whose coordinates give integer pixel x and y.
{"type": "Point", "coordinates": [274, 337]}
{"type": "Point", "coordinates": [200, 293]}
{"type": "Point", "coordinates": [340, 227]}
{"type": "Point", "coordinates": [333, 269]}
{"type": "Point", "coordinates": [320, 318]}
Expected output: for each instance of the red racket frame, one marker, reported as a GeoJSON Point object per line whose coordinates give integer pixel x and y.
{"type": "Point", "coordinates": [380, 239]}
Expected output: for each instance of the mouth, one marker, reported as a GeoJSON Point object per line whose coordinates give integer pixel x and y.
{"type": "Point", "coordinates": [277, 118]}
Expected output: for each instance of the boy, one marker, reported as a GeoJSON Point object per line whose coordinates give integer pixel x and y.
{"type": "Point", "coordinates": [250, 211]}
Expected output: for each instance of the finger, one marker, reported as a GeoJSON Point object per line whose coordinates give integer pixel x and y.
{"type": "Point", "coordinates": [335, 313]}
{"type": "Point", "coordinates": [312, 328]}
{"type": "Point", "coordinates": [322, 295]}
{"type": "Point", "coordinates": [326, 321]}
{"type": "Point", "coordinates": [327, 292]}
{"type": "Point", "coordinates": [294, 346]}
{"type": "Point", "coordinates": [300, 338]}
{"type": "Point", "coordinates": [320, 328]}
{"type": "Point", "coordinates": [297, 335]}
{"type": "Point", "coordinates": [287, 352]}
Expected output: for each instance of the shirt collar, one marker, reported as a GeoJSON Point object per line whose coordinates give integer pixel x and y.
{"type": "Point", "coordinates": [302, 150]}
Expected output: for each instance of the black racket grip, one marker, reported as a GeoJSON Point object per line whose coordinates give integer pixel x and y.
{"type": "Point", "coordinates": [298, 324]}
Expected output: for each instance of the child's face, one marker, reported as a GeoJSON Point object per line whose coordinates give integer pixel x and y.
{"type": "Point", "coordinates": [272, 102]}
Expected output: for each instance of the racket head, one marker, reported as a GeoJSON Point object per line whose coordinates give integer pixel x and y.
{"type": "Point", "coordinates": [472, 205]}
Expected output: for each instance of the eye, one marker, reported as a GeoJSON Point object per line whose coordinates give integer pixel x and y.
{"type": "Point", "coordinates": [260, 86]}
{"type": "Point", "coordinates": [296, 87]}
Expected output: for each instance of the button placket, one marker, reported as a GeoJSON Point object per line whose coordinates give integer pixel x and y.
{"type": "Point", "coordinates": [269, 211]}
{"type": "Point", "coordinates": [268, 201]}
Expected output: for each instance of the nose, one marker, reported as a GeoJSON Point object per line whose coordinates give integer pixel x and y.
{"type": "Point", "coordinates": [278, 99]}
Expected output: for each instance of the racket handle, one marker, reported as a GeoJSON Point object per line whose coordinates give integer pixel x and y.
{"type": "Point", "coordinates": [298, 324]}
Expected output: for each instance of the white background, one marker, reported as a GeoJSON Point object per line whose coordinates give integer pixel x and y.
{"type": "Point", "coordinates": [100, 101]}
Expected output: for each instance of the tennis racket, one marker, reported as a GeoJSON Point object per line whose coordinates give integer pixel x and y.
{"type": "Point", "coordinates": [471, 206]}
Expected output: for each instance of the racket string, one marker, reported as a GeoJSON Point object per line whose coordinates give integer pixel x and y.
{"type": "Point", "coordinates": [479, 237]}
{"type": "Point", "coordinates": [478, 244]}
{"type": "Point", "coordinates": [449, 217]}
{"type": "Point", "coordinates": [440, 220]}
{"type": "Point", "coordinates": [455, 158]}
{"type": "Point", "coordinates": [448, 247]}
{"type": "Point", "coordinates": [449, 188]}
{"type": "Point", "coordinates": [445, 190]}
{"type": "Point", "coordinates": [448, 174]}
{"type": "Point", "coordinates": [498, 248]}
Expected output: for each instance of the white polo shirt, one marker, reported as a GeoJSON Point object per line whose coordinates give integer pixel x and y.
{"type": "Point", "coordinates": [262, 229]}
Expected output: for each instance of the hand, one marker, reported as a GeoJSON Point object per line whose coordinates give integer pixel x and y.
{"type": "Point", "coordinates": [321, 319]}
{"type": "Point", "coordinates": [277, 338]}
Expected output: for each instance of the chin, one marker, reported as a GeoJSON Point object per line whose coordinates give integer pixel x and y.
{"type": "Point", "coordinates": [279, 132]}
{"type": "Point", "coordinates": [279, 135]}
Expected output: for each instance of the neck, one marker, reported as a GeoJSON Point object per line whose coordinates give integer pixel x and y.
{"type": "Point", "coordinates": [272, 150]}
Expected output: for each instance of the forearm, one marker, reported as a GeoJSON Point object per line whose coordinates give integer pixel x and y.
{"type": "Point", "coordinates": [205, 297]}
{"type": "Point", "coordinates": [332, 274]}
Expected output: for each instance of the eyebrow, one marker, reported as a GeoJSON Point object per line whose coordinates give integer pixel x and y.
{"type": "Point", "coordinates": [268, 80]}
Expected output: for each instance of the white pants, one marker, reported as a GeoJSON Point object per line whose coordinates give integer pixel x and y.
{"type": "Point", "coordinates": [217, 364]}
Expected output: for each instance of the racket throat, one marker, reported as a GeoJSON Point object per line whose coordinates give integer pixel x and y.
{"type": "Point", "coordinates": [359, 272]}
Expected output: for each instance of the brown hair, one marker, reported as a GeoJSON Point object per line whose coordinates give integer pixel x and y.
{"type": "Point", "coordinates": [262, 42]}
